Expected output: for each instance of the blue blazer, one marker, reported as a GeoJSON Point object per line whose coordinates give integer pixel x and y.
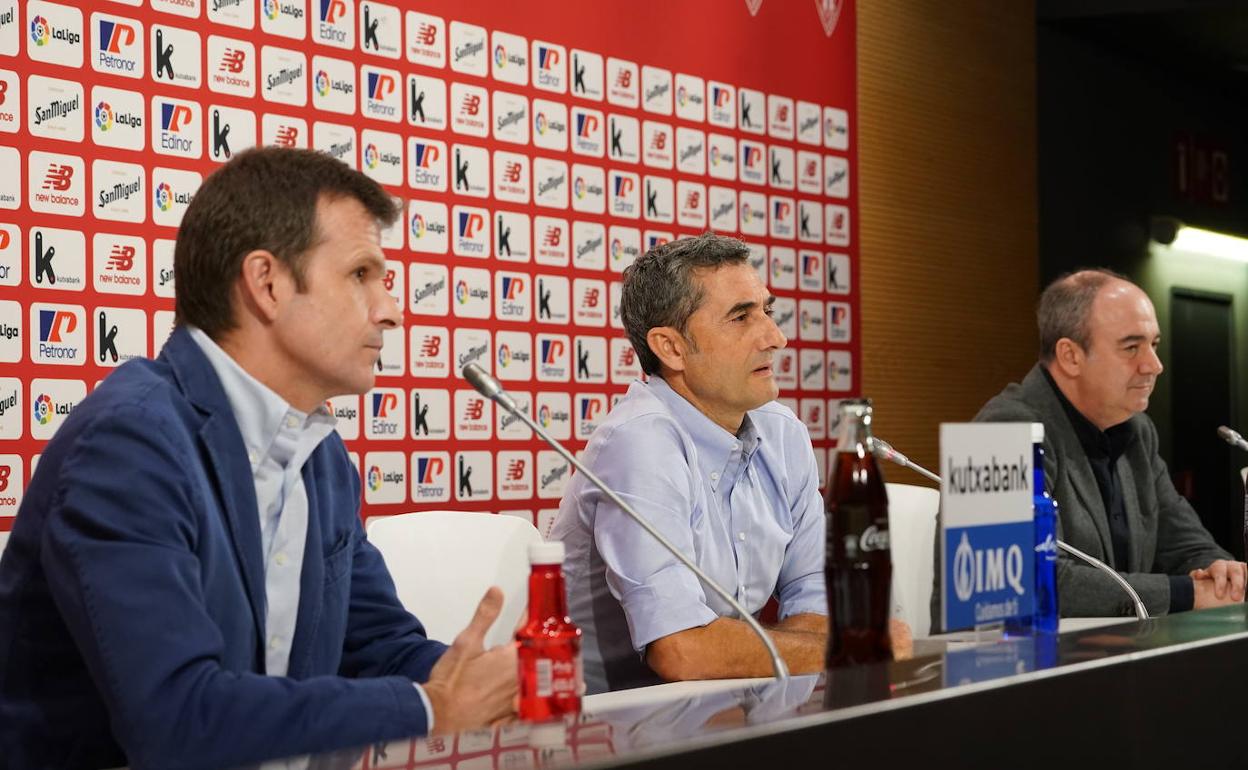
{"type": "Point", "coordinates": [132, 594]}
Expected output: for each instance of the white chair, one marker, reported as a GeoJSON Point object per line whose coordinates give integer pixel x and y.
{"type": "Point", "coordinates": [442, 562]}
{"type": "Point", "coordinates": [912, 535]}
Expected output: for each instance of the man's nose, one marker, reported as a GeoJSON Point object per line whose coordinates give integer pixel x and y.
{"type": "Point", "coordinates": [388, 313]}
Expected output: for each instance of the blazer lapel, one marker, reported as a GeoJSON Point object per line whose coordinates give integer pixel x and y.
{"type": "Point", "coordinates": [311, 581]}
{"type": "Point", "coordinates": [229, 466]}
{"type": "Point", "coordinates": [1135, 526]}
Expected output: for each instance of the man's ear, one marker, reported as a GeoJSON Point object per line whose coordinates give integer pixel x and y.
{"type": "Point", "coordinates": [669, 345]}
{"type": "Point", "coordinates": [1069, 357]}
{"type": "Point", "coordinates": [262, 284]}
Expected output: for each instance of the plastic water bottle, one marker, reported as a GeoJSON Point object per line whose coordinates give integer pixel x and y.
{"type": "Point", "coordinates": [1046, 616]}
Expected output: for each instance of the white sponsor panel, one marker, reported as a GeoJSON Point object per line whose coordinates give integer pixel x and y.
{"type": "Point", "coordinates": [385, 412]}
{"type": "Point", "coordinates": [515, 475]}
{"type": "Point", "coordinates": [120, 335]}
{"type": "Point", "coordinates": [54, 34]}
{"type": "Point", "coordinates": [390, 362]}
{"type": "Point", "coordinates": [11, 484]}
{"type": "Point", "coordinates": [781, 164]}
{"type": "Point", "coordinates": [426, 164]}
{"type": "Point", "coordinates": [11, 332]}
{"type": "Point", "coordinates": [554, 357]}
{"type": "Point", "coordinates": [512, 237]}
{"type": "Point", "coordinates": [780, 223]}
{"type": "Point", "coordinates": [471, 169]}
{"type": "Point", "coordinates": [810, 369]}
{"type": "Point", "coordinates": [810, 271]}
{"type": "Point", "coordinates": [428, 227]}
{"type": "Point", "coordinates": [659, 199]}
{"type": "Point", "coordinates": [550, 66]}
{"type": "Point", "coordinates": [809, 123]}
{"type": "Point", "coordinates": [472, 231]}
{"type": "Point", "coordinates": [172, 192]}
{"type": "Point", "coordinates": [56, 107]}
{"type": "Point", "coordinates": [512, 296]}
{"type": "Point", "coordinates": [58, 259]}
{"type": "Point", "coordinates": [468, 49]}
{"type": "Point", "coordinates": [474, 416]}
{"type": "Point", "coordinates": [177, 127]}
{"type": "Point", "coordinates": [589, 298]}
{"type": "Point", "coordinates": [656, 90]}
{"type": "Point", "coordinates": [12, 407]}
{"type": "Point", "coordinates": [590, 409]}
{"type": "Point", "coordinates": [231, 66]}
{"type": "Point", "coordinates": [473, 475]}
{"type": "Point", "coordinates": [162, 328]}
{"type": "Point", "coordinates": [780, 117]}
{"type": "Point", "coordinates": [552, 237]}
{"type": "Point", "coordinates": [175, 56]}
{"type": "Point", "coordinates": [838, 272]}
{"type": "Point", "coordinates": [333, 23]}
{"type": "Point", "coordinates": [472, 346]}
{"type": "Point", "coordinates": [56, 183]}
{"type": "Point", "coordinates": [809, 172]}
{"type": "Point", "coordinates": [550, 183]}
{"type": "Point", "coordinates": [509, 58]}
{"type": "Point", "coordinates": [162, 267]}
{"type": "Point", "coordinates": [691, 204]}
{"type": "Point", "coordinates": [721, 157]}
{"type": "Point", "coordinates": [511, 176]}
{"type": "Point", "coordinates": [431, 477]}
{"type": "Point", "coordinates": [426, 39]}
{"type": "Point", "coordinates": [230, 130]}
{"type": "Point", "coordinates": [511, 117]}
{"type": "Point", "coordinates": [430, 351]}
{"type": "Point", "coordinates": [385, 478]}
{"type": "Point", "coordinates": [510, 427]}
{"type": "Point", "coordinates": [283, 131]}
{"type": "Point", "coordinates": [615, 293]}
{"type": "Point", "coordinates": [382, 156]}
{"type": "Point", "coordinates": [470, 110]}
{"type": "Point", "coordinates": [721, 104]}
{"type": "Point", "coordinates": [287, 18]}
{"type": "Point", "coordinates": [514, 360]}
{"type": "Point", "coordinates": [51, 401]}
{"type": "Point", "coordinates": [783, 274]}
{"type": "Point", "coordinates": [836, 225]}
{"type": "Point", "coordinates": [117, 45]}
{"type": "Point", "coordinates": [591, 360]}
{"type": "Point", "coordinates": [11, 255]}
{"type": "Point", "coordinates": [431, 414]}
{"type": "Point", "coordinates": [552, 475]}
{"type": "Point", "coordinates": [812, 415]}
{"type": "Point", "coordinates": [380, 29]}
{"type": "Point", "coordinates": [722, 209]}
{"type": "Point", "coordinates": [625, 246]}
{"type": "Point", "coordinates": [11, 183]}
{"type": "Point", "coordinates": [10, 102]}
{"type": "Point", "coordinates": [809, 222]}
{"type": "Point", "coordinates": [425, 97]}
{"type": "Point", "coordinates": [753, 208]}
{"type": "Point", "coordinates": [333, 85]}
{"type": "Point", "coordinates": [624, 364]}
{"type": "Point", "coordinates": [553, 411]}
{"type": "Point", "coordinates": [658, 145]}
{"type": "Point", "coordinates": [586, 75]}
{"type": "Point", "coordinates": [836, 177]}
{"type": "Point", "coordinates": [752, 162]}
{"type": "Point", "coordinates": [840, 371]}
{"type": "Point", "coordinates": [840, 322]}
{"type": "Point", "coordinates": [346, 414]}
{"type": "Point", "coordinates": [118, 191]}
{"type": "Point", "coordinates": [550, 125]}
{"type": "Point", "coordinates": [623, 83]}
{"type": "Point", "coordinates": [784, 368]}
{"type": "Point", "coordinates": [784, 313]}
{"type": "Point", "coordinates": [690, 151]}
{"type": "Point", "coordinates": [472, 292]}
{"type": "Point", "coordinates": [623, 139]}
{"type": "Point", "coordinates": [690, 98]}
{"type": "Point", "coordinates": [283, 76]}
{"type": "Point", "coordinates": [589, 245]}
{"type": "Point", "coordinates": [553, 299]}
{"type": "Point", "coordinates": [835, 128]}
{"type": "Point", "coordinates": [430, 289]}
{"type": "Point", "coordinates": [810, 320]}
{"type": "Point", "coordinates": [751, 111]}
{"type": "Point", "coordinates": [588, 130]}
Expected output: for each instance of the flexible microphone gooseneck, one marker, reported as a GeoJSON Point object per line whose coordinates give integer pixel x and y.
{"type": "Point", "coordinates": [885, 451]}
{"type": "Point", "coordinates": [490, 388]}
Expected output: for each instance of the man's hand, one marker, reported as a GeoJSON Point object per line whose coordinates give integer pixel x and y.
{"type": "Point", "coordinates": [1222, 582]}
{"type": "Point", "coordinates": [470, 687]}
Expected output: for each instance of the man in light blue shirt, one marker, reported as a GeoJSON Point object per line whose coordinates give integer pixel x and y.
{"type": "Point", "coordinates": [703, 452]}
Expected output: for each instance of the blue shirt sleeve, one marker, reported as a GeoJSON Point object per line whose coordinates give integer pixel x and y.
{"type": "Point", "coordinates": [801, 585]}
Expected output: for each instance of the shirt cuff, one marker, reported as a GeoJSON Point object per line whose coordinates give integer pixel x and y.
{"type": "Point", "coordinates": [1182, 593]}
{"type": "Point", "coordinates": [424, 698]}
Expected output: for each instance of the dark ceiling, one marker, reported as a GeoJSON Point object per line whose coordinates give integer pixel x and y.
{"type": "Point", "coordinates": [1203, 37]}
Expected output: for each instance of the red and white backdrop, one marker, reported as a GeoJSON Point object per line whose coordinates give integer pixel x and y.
{"type": "Point", "coordinates": [539, 147]}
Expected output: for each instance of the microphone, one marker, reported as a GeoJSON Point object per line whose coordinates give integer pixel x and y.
{"type": "Point", "coordinates": [884, 451]}
{"type": "Point", "coordinates": [490, 388]}
{"type": "Point", "coordinates": [1232, 437]}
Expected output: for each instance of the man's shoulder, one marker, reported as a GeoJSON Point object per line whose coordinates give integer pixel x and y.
{"type": "Point", "coordinates": [774, 418]}
{"type": "Point", "coordinates": [1019, 401]}
{"type": "Point", "coordinates": [142, 387]}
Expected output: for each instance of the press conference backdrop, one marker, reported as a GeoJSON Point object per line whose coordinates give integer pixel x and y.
{"type": "Point", "coordinates": [537, 147]}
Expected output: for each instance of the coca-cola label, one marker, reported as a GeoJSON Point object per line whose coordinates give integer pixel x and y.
{"type": "Point", "coordinates": [873, 539]}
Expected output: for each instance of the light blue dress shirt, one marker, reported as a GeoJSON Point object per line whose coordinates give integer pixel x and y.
{"type": "Point", "coordinates": [279, 439]}
{"type": "Point", "coordinates": [745, 508]}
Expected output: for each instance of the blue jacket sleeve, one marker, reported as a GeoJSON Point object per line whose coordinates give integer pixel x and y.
{"type": "Point", "coordinates": [123, 550]}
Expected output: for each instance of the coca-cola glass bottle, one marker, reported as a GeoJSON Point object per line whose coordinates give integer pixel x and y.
{"type": "Point", "coordinates": [549, 643]}
{"type": "Point", "coordinates": [859, 566]}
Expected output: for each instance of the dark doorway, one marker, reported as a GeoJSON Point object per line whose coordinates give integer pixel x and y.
{"type": "Point", "coordinates": [1204, 468]}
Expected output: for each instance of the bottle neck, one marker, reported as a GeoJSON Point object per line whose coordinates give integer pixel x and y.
{"type": "Point", "coordinates": [547, 598]}
{"type": "Point", "coordinates": [855, 429]}
{"type": "Point", "coordinates": [1037, 462]}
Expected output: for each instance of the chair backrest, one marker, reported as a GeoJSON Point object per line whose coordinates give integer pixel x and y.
{"type": "Point", "coordinates": [442, 562]}
{"type": "Point", "coordinates": [912, 535]}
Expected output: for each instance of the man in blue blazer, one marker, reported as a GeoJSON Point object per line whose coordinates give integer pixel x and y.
{"type": "Point", "coordinates": [188, 583]}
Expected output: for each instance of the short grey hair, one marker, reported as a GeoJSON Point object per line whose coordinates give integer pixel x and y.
{"type": "Point", "coordinates": [1066, 305]}
{"type": "Point", "coordinates": [660, 290]}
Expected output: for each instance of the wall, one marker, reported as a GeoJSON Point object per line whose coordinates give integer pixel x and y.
{"type": "Point", "coordinates": [947, 147]}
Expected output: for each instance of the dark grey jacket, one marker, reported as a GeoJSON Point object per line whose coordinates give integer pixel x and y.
{"type": "Point", "coordinates": [1167, 537]}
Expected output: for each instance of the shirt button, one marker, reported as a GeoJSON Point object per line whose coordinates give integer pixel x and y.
{"type": "Point", "coordinates": [714, 476]}
{"type": "Point", "coordinates": [736, 446]}
{"type": "Point", "coordinates": [741, 536]}
{"type": "Point", "coordinates": [292, 421]}
{"type": "Point", "coordinates": [251, 456]}
{"type": "Point", "coordinates": [275, 642]}
{"type": "Point", "coordinates": [280, 559]}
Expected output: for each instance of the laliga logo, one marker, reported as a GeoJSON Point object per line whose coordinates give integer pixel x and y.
{"type": "Point", "coordinates": [617, 248]}
{"type": "Point", "coordinates": [374, 478]}
{"type": "Point", "coordinates": [504, 355]}
{"type": "Point", "coordinates": [500, 56]}
{"type": "Point", "coordinates": [682, 97]}
{"type": "Point", "coordinates": [745, 212]}
{"type": "Point", "coordinates": [103, 116]}
{"type": "Point", "coordinates": [715, 156]}
{"type": "Point", "coordinates": [164, 196]}
{"type": "Point", "coordinates": [539, 123]}
{"type": "Point", "coordinates": [40, 31]}
{"type": "Point", "coordinates": [579, 187]}
{"type": "Point", "coordinates": [270, 9]}
{"type": "Point", "coordinates": [322, 83]}
{"type": "Point", "coordinates": [371, 156]}
{"type": "Point", "coordinates": [976, 570]}
{"type": "Point", "coordinates": [461, 292]}
{"type": "Point", "coordinates": [418, 225]}
{"type": "Point", "coordinates": [543, 416]}
{"type": "Point", "coordinates": [43, 409]}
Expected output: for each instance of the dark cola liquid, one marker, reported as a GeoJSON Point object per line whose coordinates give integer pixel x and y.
{"type": "Point", "coordinates": [859, 566]}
